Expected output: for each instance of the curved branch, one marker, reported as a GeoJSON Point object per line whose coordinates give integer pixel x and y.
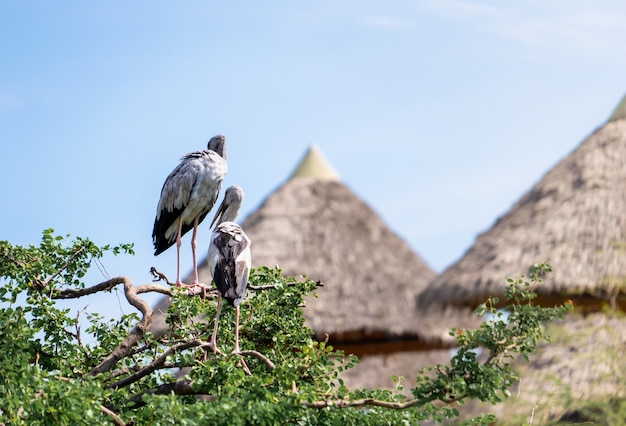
{"type": "Point", "coordinates": [74, 293]}
{"type": "Point", "coordinates": [259, 356]}
{"type": "Point", "coordinates": [365, 402]}
{"type": "Point", "coordinates": [157, 363]}
{"type": "Point", "coordinates": [117, 420]}
{"type": "Point", "coordinates": [181, 387]}
{"type": "Point", "coordinates": [275, 286]}
{"type": "Point", "coordinates": [130, 291]}
{"type": "Point", "coordinates": [198, 289]}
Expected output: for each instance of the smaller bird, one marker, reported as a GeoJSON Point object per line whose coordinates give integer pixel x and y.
{"type": "Point", "coordinates": [229, 258]}
{"type": "Point", "coordinates": [188, 195]}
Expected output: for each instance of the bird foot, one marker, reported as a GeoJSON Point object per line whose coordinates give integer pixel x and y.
{"type": "Point", "coordinates": [213, 347]}
{"type": "Point", "coordinates": [194, 288]}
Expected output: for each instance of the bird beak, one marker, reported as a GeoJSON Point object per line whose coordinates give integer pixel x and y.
{"type": "Point", "coordinates": [219, 213]}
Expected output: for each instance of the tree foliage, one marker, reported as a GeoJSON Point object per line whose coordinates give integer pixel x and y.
{"type": "Point", "coordinates": [125, 375]}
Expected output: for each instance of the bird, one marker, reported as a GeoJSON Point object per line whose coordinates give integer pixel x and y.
{"type": "Point", "coordinates": [229, 258]}
{"type": "Point", "coordinates": [188, 195]}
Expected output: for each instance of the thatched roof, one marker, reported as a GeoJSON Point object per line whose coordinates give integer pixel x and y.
{"type": "Point", "coordinates": [313, 164]}
{"type": "Point", "coordinates": [620, 111]}
{"type": "Point", "coordinates": [315, 225]}
{"type": "Point", "coordinates": [574, 219]}
{"type": "Point", "coordinates": [375, 372]}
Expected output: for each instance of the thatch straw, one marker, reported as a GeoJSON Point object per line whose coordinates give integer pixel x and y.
{"type": "Point", "coordinates": [375, 372]}
{"type": "Point", "coordinates": [620, 111]}
{"type": "Point", "coordinates": [313, 164]}
{"type": "Point", "coordinates": [574, 219]}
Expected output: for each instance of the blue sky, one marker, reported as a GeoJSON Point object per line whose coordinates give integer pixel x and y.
{"type": "Point", "coordinates": [439, 114]}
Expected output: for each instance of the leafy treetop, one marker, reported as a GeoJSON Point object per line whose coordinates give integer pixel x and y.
{"type": "Point", "coordinates": [127, 375]}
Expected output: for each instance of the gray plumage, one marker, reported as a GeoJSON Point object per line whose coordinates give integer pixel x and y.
{"type": "Point", "coordinates": [229, 258]}
{"type": "Point", "coordinates": [229, 252]}
{"type": "Point", "coordinates": [189, 193]}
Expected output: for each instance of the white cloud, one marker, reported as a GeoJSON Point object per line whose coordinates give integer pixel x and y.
{"type": "Point", "coordinates": [387, 22]}
{"type": "Point", "coordinates": [567, 25]}
{"type": "Point", "coordinates": [460, 9]}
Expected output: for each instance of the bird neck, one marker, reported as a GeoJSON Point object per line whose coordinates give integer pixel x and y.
{"type": "Point", "coordinates": [230, 214]}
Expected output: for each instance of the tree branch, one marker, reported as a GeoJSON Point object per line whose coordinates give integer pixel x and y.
{"type": "Point", "coordinates": [116, 419]}
{"type": "Point", "coordinates": [260, 357]}
{"type": "Point", "coordinates": [181, 387]}
{"type": "Point", "coordinates": [130, 291]}
{"type": "Point", "coordinates": [371, 402]}
{"type": "Point", "coordinates": [365, 402]}
{"type": "Point", "coordinates": [157, 363]}
{"type": "Point", "coordinates": [196, 290]}
{"type": "Point", "coordinates": [64, 267]}
{"type": "Point", "coordinates": [275, 286]}
{"type": "Point", "coordinates": [74, 293]}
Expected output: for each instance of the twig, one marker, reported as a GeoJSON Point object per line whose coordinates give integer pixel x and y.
{"type": "Point", "coordinates": [130, 291]}
{"type": "Point", "coordinates": [259, 356]}
{"type": "Point", "coordinates": [160, 276]}
{"type": "Point", "coordinates": [365, 402]}
{"type": "Point", "coordinates": [63, 268]}
{"type": "Point", "coordinates": [157, 363]}
{"type": "Point", "coordinates": [275, 286]}
{"type": "Point", "coordinates": [116, 419]}
{"type": "Point", "coordinates": [181, 387]}
{"type": "Point", "coordinates": [196, 290]}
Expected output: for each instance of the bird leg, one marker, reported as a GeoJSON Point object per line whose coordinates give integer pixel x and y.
{"type": "Point", "coordinates": [217, 320]}
{"type": "Point", "coordinates": [194, 245]}
{"type": "Point", "coordinates": [236, 350]}
{"type": "Point", "coordinates": [242, 362]}
{"type": "Point", "coordinates": [179, 243]}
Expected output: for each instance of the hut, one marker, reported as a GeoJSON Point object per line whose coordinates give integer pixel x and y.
{"type": "Point", "coordinates": [573, 218]}
{"type": "Point", "coordinates": [315, 225]}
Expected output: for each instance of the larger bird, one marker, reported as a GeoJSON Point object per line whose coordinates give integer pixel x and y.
{"type": "Point", "coordinates": [229, 258]}
{"type": "Point", "coordinates": [188, 195]}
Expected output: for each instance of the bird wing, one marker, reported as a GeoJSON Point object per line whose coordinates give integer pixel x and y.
{"type": "Point", "coordinates": [176, 195]}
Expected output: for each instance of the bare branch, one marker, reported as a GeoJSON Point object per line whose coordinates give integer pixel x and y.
{"type": "Point", "coordinates": [74, 293]}
{"type": "Point", "coordinates": [130, 291]}
{"type": "Point", "coordinates": [160, 276]}
{"type": "Point", "coordinates": [260, 357]}
{"type": "Point", "coordinates": [63, 268]}
{"type": "Point", "coordinates": [116, 419]}
{"type": "Point", "coordinates": [157, 363]}
{"type": "Point", "coordinates": [181, 387]}
{"type": "Point", "coordinates": [196, 290]}
{"type": "Point", "coordinates": [365, 402]}
{"type": "Point", "coordinates": [275, 286]}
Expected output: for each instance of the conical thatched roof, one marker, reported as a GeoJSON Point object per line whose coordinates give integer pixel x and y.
{"type": "Point", "coordinates": [313, 164]}
{"type": "Point", "coordinates": [574, 219]}
{"type": "Point", "coordinates": [620, 111]}
{"type": "Point", "coordinates": [317, 226]}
